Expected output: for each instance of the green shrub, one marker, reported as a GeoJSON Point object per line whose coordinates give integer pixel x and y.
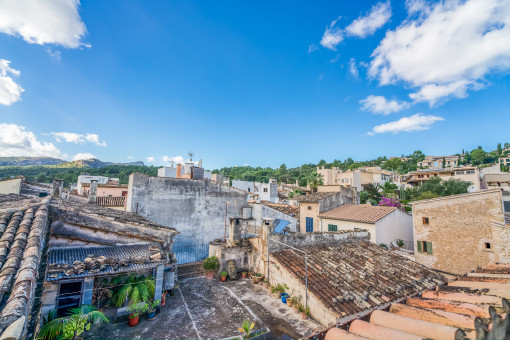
{"type": "Point", "coordinates": [211, 263]}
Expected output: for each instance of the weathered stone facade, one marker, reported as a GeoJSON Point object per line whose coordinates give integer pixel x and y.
{"type": "Point", "coordinates": [464, 232]}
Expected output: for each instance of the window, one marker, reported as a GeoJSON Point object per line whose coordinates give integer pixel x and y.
{"type": "Point", "coordinates": [424, 247]}
{"type": "Point", "coordinates": [309, 224]}
{"type": "Point", "coordinates": [332, 227]}
{"type": "Point", "coordinates": [249, 190]}
{"type": "Point", "coordinates": [265, 189]}
{"type": "Point", "coordinates": [487, 245]}
{"type": "Point", "coordinates": [309, 208]}
{"type": "Point", "coordinates": [425, 220]}
{"type": "Point", "coordinates": [69, 297]}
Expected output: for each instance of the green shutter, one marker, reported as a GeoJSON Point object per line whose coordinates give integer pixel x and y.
{"type": "Point", "coordinates": [332, 227]}
{"type": "Point", "coordinates": [429, 247]}
{"type": "Point", "coordinates": [418, 244]}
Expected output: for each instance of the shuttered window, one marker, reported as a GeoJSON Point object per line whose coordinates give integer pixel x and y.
{"type": "Point", "coordinates": [332, 227]}
{"type": "Point", "coordinates": [424, 247]}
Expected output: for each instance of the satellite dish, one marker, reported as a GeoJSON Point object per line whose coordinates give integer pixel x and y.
{"type": "Point", "coordinates": [471, 189]}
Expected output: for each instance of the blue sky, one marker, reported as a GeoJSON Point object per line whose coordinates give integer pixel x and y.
{"type": "Point", "coordinates": [252, 83]}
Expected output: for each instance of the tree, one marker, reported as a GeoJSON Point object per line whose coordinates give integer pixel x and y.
{"type": "Point", "coordinates": [444, 162]}
{"type": "Point", "coordinates": [70, 327]}
{"type": "Point", "coordinates": [500, 149]}
{"type": "Point", "coordinates": [478, 156]}
{"type": "Point", "coordinates": [393, 164]}
{"type": "Point", "coordinates": [283, 168]}
{"type": "Point", "coordinates": [372, 194]}
{"type": "Point", "coordinates": [295, 193]}
{"type": "Point", "coordinates": [417, 156]}
{"type": "Point", "coordinates": [389, 189]}
{"type": "Point", "coordinates": [507, 145]}
{"type": "Point", "coordinates": [314, 180]}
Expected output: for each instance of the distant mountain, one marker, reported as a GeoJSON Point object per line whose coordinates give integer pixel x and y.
{"type": "Point", "coordinates": [28, 161]}
{"type": "Point", "coordinates": [59, 163]}
{"type": "Point", "coordinates": [93, 163]}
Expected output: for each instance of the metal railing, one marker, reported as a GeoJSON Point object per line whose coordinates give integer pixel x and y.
{"type": "Point", "coordinates": [191, 253]}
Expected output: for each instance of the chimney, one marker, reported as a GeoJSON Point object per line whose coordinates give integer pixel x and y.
{"type": "Point", "coordinates": [179, 171]}
{"type": "Point", "coordinates": [93, 191]}
{"type": "Point", "coordinates": [57, 187]}
{"type": "Point", "coordinates": [235, 232]}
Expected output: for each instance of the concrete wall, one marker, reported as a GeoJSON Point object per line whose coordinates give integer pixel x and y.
{"type": "Point", "coordinates": [395, 226]}
{"type": "Point", "coordinates": [459, 226]}
{"type": "Point", "coordinates": [195, 208]}
{"type": "Point", "coordinates": [349, 226]}
{"type": "Point", "coordinates": [11, 186]}
{"type": "Point", "coordinates": [265, 191]}
{"type": "Point", "coordinates": [345, 196]}
{"type": "Point", "coordinates": [260, 211]}
{"type": "Point", "coordinates": [167, 171]}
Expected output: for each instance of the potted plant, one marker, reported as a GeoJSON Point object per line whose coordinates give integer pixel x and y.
{"type": "Point", "coordinates": [246, 328]}
{"type": "Point", "coordinates": [275, 291]}
{"type": "Point", "coordinates": [305, 313]}
{"type": "Point", "coordinates": [281, 289]}
{"type": "Point", "coordinates": [133, 288]}
{"type": "Point", "coordinates": [289, 301]}
{"type": "Point", "coordinates": [151, 309]}
{"type": "Point", "coordinates": [223, 276]}
{"type": "Point", "coordinates": [244, 274]}
{"type": "Point", "coordinates": [266, 283]}
{"type": "Point", "coordinates": [135, 310]}
{"type": "Point", "coordinates": [257, 277]}
{"type": "Point", "coordinates": [296, 303]}
{"type": "Point", "coordinates": [73, 325]}
{"type": "Point", "coordinates": [211, 266]}
{"type": "Point", "coordinates": [163, 298]}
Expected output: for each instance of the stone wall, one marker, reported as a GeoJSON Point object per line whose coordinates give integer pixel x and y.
{"type": "Point", "coordinates": [11, 186]}
{"type": "Point", "coordinates": [196, 208]}
{"type": "Point", "coordinates": [459, 228]}
{"type": "Point", "coordinates": [260, 211]}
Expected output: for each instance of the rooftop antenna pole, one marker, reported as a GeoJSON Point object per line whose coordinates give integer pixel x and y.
{"type": "Point", "coordinates": [191, 154]}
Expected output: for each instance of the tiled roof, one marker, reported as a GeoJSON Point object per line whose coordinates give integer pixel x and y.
{"type": "Point", "coordinates": [358, 213]}
{"type": "Point", "coordinates": [73, 262]}
{"type": "Point", "coordinates": [292, 211]}
{"type": "Point", "coordinates": [468, 307]}
{"type": "Point", "coordinates": [107, 201]}
{"type": "Point", "coordinates": [106, 185]}
{"type": "Point", "coordinates": [315, 197]}
{"type": "Point", "coordinates": [358, 275]}
{"type": "Point", "coordinates": [22, 237]}
{"type": "Point", "coordinates": [497, 177]}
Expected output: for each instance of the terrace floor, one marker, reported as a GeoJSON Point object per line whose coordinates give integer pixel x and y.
{"type": "Point", "coordinates": [203, 309]}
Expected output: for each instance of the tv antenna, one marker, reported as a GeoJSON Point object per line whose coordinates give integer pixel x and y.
{"type": "Point", "coordinates": [191, 154]}
{"type": "Point", "coordinates": [172, 163]}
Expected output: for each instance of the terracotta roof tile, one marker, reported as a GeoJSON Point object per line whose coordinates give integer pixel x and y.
{"type": "Point", "coordinates": [359, 213]}
{"type": "Point", "coordinates": [315, 197]}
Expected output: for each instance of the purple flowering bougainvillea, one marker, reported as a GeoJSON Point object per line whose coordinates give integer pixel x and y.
{"type": "Point", "coordinates": [390, 202]}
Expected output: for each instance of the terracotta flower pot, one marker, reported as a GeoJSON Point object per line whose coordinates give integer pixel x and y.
{"type": "Point", "coordinates": [209, 275]}
{"type": "Point", "coordinates": [133, 321]}
{"type": "Point", "coordinates": [304, 316]}
{"type": "Point", "coordinates": [244, 275]}
{"type": "Point", "coordinates": [277, 295]}
{"type": "Point", "coordinates": [163, 299]}
{"type": "Point", "coordinates": [289, 302]}
{"type": "Point", "coordinates": [266, 284]}
{"type": "Point", "coordinates": [223, 278]}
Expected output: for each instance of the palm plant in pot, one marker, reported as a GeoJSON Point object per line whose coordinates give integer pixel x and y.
{"type": "Point", "coordinates": [135, 289]}
{"type": "Point", "coordinates": [223, 276]}
{"type": "Point", "coordinates": [73, 325]}
{"type": "Point", "coordinates": [151, 309]}
{"type": "Point", "coordinates": [211, 266]}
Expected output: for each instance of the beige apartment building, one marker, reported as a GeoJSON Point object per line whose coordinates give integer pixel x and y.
{"type": "Point", "coordinates": [504, 160]}
{"type": "Point", "coordinates": [356, 178]}
{"type": "Point", "coordinates": [437, 162]}
{"type": "Point", "coordinates": [459, 233]}
{"type": "Point", "coordinates": [466, 174]}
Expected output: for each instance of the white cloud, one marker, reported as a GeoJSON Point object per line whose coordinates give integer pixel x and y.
{"type": "Point", "coordinates": [15, 140]}
{"type": "Point", "coordinates": [83, 155]}
{"type": "Point", "coordinates": [174, 159]}
{"type": "Point", "coordinates": [380, 105]}
{"type": "Point", "coordinates": [43, 22]}
{"type": "Point", "coordinates": [10, 91]}
{"type": "Point", "coordinates": [312, 48]}
{"type": "Point", "coordinates": [71, 137]}
{"type": "Point", "coordinates": [417, 122]}
{"type": "Point", "coordinates": [352, 68]}
{"type": "Point", "coordinates": [335, 59]}
{"type": "Point", "coordinates": [446, 48]}
{"type": "Point", "coordinates": [368, 24]}
{"type": "Point", "coordinates": [55, 54]}
{"type": "Point", "coordinates": [332, 36]}
{"type": "Point", "coordinates": [150, 160]}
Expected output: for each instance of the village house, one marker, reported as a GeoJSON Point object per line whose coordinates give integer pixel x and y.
{"type": "Point", "coordinates": [496, 180]}
{"type": "Point", "coordinates": [504, 160]}
{"type": "Point", "coordinates": [86, 179]}
{"type": "Point", "coordinates": [465, 174]}
{"type": "Point", "coordinates": [259, 191]}
{"type": "Point", "coordinates": [75, 244]}
{"type": "Point", "coordinates": [356, 178]}
{"type": "Point", "coordinates": [188, 170]}
{"type": "Point", "coordinates": [459, 233]}
{"type": "Point", "coordinates": [109, 189]}
{"type": "Point", "coordinates": [386, 225]}
{"type": "Point", "coordinates": [437, 162]}
{"type": "Point", "coordinates": [312, 205]}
